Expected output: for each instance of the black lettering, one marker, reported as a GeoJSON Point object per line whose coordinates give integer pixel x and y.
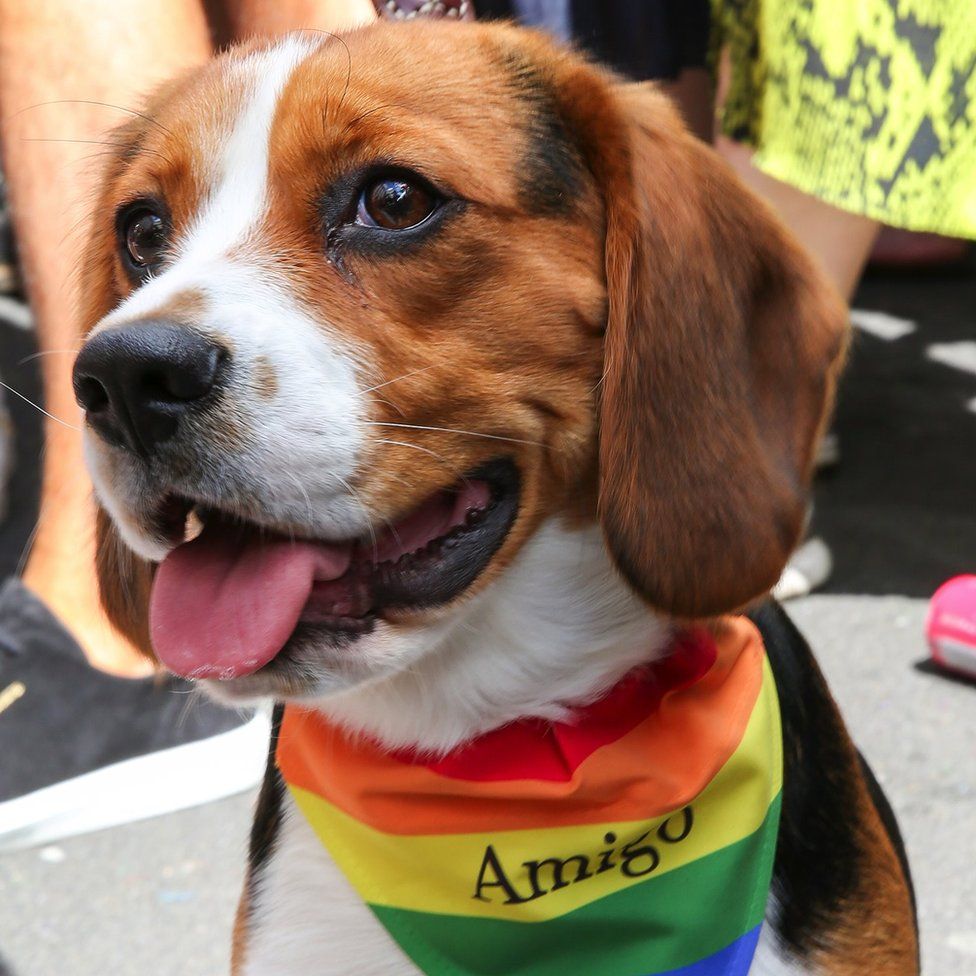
{"type": "Point", "coordinates": [687, 819]}
{"type": "Point", "coordinates": [558, 868]}
{"type": "Point", "coordinates": [491, 861]}
{"type": "Point", "coordinates": [631, 853]}
{"type": "Point", "coordinates": [605, 863]}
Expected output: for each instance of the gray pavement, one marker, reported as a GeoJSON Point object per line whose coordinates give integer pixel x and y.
{"type": "Point", "coordinates": [158, 897]}
{"type": "Point", "coordinates": [900, 514]}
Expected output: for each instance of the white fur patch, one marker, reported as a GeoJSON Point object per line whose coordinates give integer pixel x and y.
{"type": "Point", "coordinates": [771, 958]}
{"type": "Point", "coordinates": [239, 198]}
{"type": "Point", "coordinates": [558, 627]}
{"type": "Point", "coordinates": [306, 917]}
{"type": "Point", "coordinates": [291, 455]}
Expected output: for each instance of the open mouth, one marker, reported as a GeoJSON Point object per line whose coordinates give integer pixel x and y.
{"type": "Point", "coordinates": [227, 602]}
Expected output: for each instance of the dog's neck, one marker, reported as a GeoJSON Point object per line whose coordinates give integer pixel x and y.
{"type": "Point", "coordinates": [558, 629]}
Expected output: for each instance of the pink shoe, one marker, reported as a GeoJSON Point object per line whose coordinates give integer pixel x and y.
{"type": "Point", "coordinates": [951, 626]}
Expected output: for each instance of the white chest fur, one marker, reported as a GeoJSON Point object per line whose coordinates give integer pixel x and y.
{"type": "Point", "coordinates": [556, 627]}
{"type": "Point", "coordinates": [307, 919]}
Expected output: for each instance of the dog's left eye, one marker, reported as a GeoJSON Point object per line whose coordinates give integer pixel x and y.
{"type": "Point", "coordinates": [395, 203]}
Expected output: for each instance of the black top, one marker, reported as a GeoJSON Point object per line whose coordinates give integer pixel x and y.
{"type": "Point", "coordinates": [644, 39]}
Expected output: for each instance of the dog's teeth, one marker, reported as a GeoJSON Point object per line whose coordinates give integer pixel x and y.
{"type": "Point", "coordinates": [194, 525]}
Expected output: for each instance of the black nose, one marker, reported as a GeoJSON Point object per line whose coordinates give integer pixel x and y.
{"type": "Point", "coordinates": [136, 382]}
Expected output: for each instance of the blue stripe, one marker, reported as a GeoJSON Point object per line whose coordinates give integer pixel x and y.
{"type": "Point", "coordinates": [733, 960]}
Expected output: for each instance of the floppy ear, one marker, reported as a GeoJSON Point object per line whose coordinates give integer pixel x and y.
{"type": "Point", "coordinates": [722, 351]}
{"type": "Point", "coordinates": [124, 582]}
{"type": "Point", "coordinates": [124, 579]}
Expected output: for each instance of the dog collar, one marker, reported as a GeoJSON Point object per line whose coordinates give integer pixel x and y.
{"type": "Point", "coordinates": [636, 839]}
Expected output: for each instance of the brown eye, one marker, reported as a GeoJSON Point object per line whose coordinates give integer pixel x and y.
{"type": "Point", "coordinates": [395, 204]}
{"type": "Point", "coordinates": [144, 237]}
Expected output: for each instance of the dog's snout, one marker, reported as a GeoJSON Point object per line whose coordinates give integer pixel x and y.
{"type": "Point", "coordinates": [137, 381]}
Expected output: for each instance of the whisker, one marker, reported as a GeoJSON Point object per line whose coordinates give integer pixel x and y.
{"type": "Point", "coordinates": [17, 393]}
{"type": "Point", "coordinates": [83, 142]}
{"type": "Point", "coordinates": [47, 352]}
{"type": "Point", "coordinates": [602, 379]}
{"type": "Point", "coordinates": [396, 379]}
{"type": "Point", "coordinates": [91, 101]}
{"type": "Point", "coordinates": [335, 37]}
{"type": "Point", "coordinates": [98, 142]}
{"type": "Point", "coordinates": [453, 468]}
{"type": "Point", "coordinates": [454, 430]}
{"type": "Point", "coordinates": [345, 90]}
{"type": "Point", "coordinates": [370, 111]}
{"type": "Point", "coordinates": [391, 405]}
{"type": "Point", "coordinates": [369, 522]}
{"type": "Point", "coordinates": [25, 553]}
{"type": "Point", "coordinates": [301, 488]}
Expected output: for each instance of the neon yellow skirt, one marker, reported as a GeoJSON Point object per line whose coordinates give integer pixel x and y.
{"type": "Point", "coordinates": [867, 104]}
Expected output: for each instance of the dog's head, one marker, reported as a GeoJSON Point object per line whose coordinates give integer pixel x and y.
{"type": "Point", "coordinates": [378, 312]}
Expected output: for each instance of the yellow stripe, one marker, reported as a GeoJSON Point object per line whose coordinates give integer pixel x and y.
{"type": "Point", "coordinates": [438, 873]}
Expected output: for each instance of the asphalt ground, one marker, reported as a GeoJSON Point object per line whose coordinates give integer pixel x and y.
{"type": "Point", "coordinates": [899, 513]}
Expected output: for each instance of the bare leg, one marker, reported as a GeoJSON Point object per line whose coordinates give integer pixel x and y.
{"type": "Point", "coordinates": [840, 240]}
{"type": "Point", "coordinates": [112, 51]}
{"type": "Point", "coordinates": [267, 18]}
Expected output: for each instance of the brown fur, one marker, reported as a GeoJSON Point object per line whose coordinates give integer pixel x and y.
{"type": "Point", "coordinates": [722, 351]}
{"type": "Point", "coordinates": [873, 934]}
{"type": "Point", "coordinates": [265, 379]}
{"type": "Point", "coordinates": [872, 930]}
{"type": "Point", "coordinates": [607, 305]}
{"type": "Point", "coordinates": [239, 936]}
{"type": "Point", "coordinates": [125, 581]}
{"type": "Point", "coordinates": [722, 343]}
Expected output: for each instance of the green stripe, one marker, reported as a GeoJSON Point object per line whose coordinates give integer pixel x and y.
{"type": "Point", "coordinates": [667, 922]}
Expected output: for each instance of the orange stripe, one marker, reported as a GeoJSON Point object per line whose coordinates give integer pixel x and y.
{"type": "Point", "coordinates": [685, 742]}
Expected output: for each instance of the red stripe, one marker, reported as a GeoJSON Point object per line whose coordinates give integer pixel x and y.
{"type": "Point", "coordinates": [689, 737]}
{"type": "Point", "coordinates": [543, 751]}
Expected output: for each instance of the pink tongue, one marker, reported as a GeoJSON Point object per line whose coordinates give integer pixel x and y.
{"type": "Point", "coordinates": [224, 604]}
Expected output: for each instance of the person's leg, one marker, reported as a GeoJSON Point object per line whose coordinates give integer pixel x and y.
{"type": "Point", "coordinates": [110, 51]}
{"type": "Point", "coordinates": [840, 240]}
{"type": "Point", "coordinates": [268, 18]}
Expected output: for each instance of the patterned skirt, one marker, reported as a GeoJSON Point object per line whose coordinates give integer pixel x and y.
{"type": "Point", "coordinates": [867, 104]}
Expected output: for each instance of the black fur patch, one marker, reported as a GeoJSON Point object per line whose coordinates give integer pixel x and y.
{"type": "Point", "coordinates": [887, 815]}
{"type": "Point", "coordinates": [267, 814]}
{"type": "Point", "coordinates": [551, 179]}
{"type": "Point", "coordinates": [817, 862]}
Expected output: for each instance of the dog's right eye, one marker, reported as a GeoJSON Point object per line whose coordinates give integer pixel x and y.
{"type": "Point", "coordinates": [143, 236]}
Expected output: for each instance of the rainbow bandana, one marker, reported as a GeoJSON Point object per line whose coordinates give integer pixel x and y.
{"type": "Point", "coordinates": [637, 839]}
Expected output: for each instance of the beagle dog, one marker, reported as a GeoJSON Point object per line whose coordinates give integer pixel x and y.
{"type": "Point", "coordinates": [437, 384]}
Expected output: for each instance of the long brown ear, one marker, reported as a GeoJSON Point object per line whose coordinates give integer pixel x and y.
{"type": "Point", "coordinates": [722, 351]}
{"type": "Point", "coordinates": [124, 579]}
